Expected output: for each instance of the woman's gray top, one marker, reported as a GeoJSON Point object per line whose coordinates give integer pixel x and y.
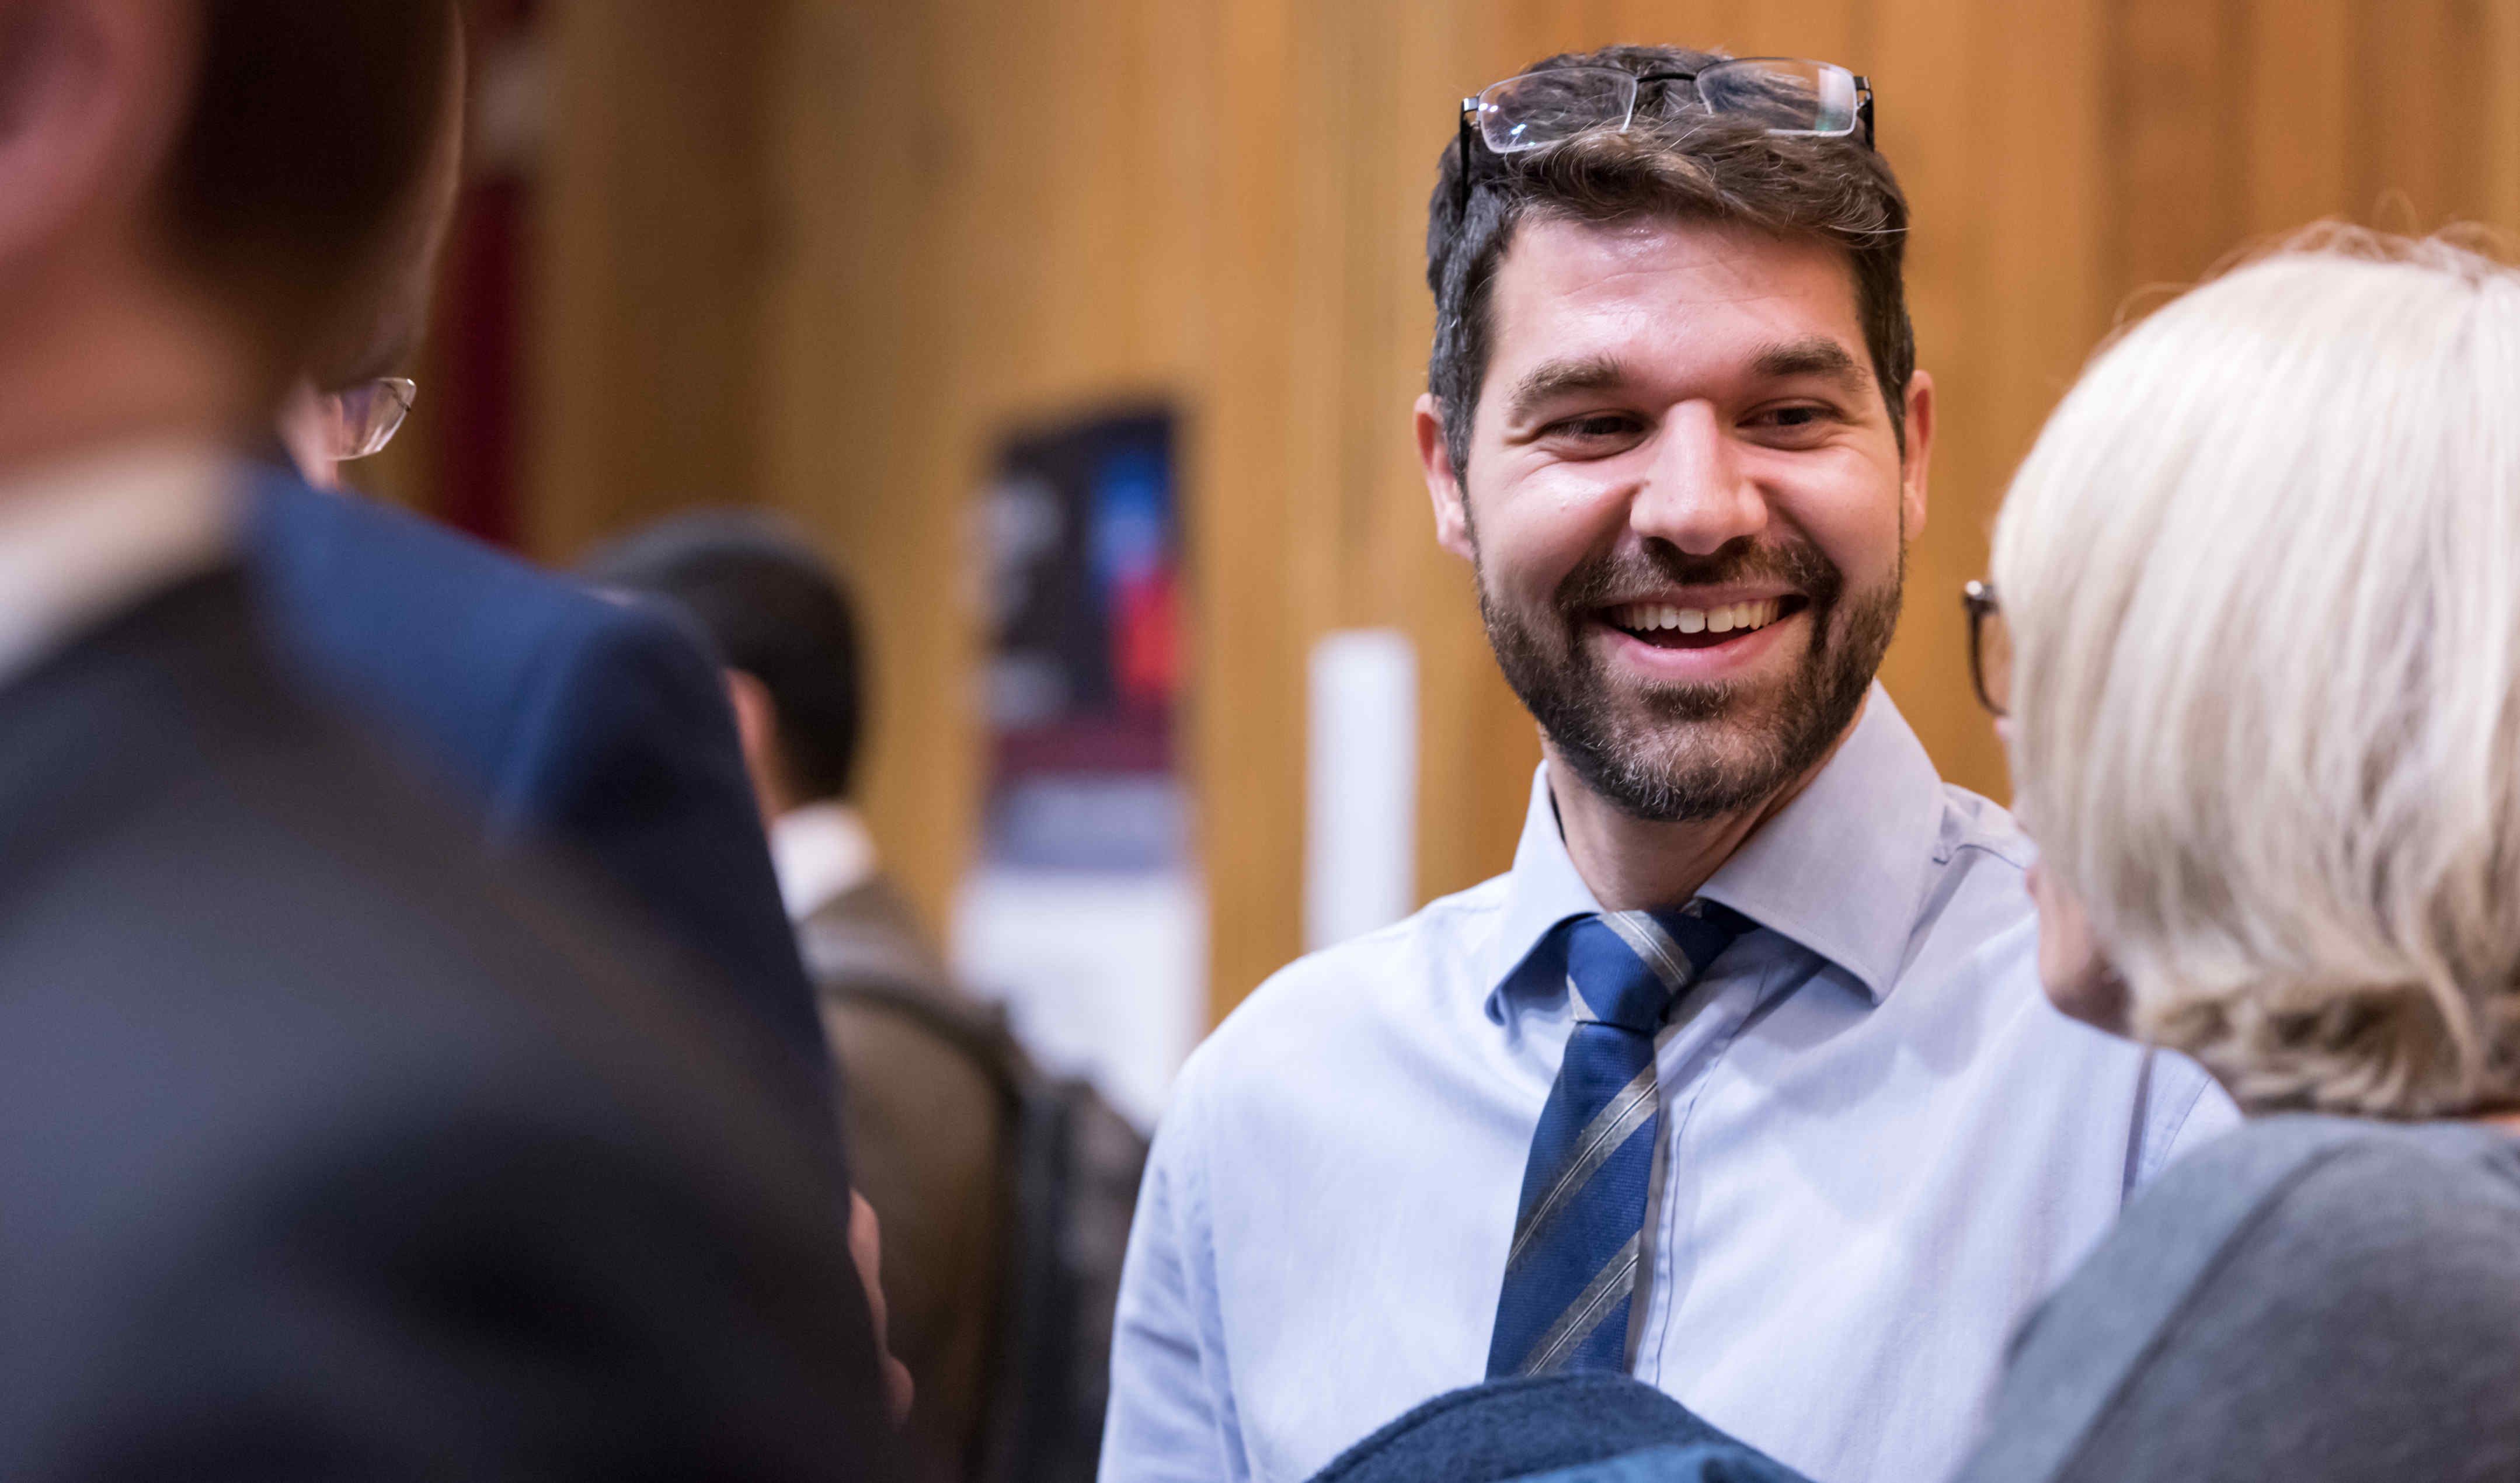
{"type": "Point", "coordinates": [2310, 1299]}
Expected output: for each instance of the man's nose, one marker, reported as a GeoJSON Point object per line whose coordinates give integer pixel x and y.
{"type": "Point", "coordinates": [1696, 494]}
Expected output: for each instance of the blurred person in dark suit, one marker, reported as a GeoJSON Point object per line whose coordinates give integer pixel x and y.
{"type": "Point", "coordinates": [337, 1147]}
{"type": "Point", "coordinates": [921, 1063]}
{"type": "Point", "coordinates": [574, 724]}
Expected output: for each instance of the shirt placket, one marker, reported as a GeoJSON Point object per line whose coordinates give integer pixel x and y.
{"type": "Point", "coordinates": [1687, 1054]}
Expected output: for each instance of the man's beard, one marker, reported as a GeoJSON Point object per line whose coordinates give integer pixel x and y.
{"type": "Point", "coordinates": [1674, 753]}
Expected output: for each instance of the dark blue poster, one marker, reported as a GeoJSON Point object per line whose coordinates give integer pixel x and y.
{"type": "Point", "coordinates": [1085, 663]}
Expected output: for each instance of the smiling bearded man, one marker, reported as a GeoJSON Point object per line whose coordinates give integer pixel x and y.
{"type": "Point", "coordinates": [1740, 1081]}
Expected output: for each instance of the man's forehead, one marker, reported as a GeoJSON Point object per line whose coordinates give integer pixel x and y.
{"type": "Point", "coordinates": [1657, 287]}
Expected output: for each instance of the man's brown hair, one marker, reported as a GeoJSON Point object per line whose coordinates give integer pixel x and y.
{"type": "Point", "coordinates": [312, 123]}
{"type": "Point", "coordinates": [1677, 162]}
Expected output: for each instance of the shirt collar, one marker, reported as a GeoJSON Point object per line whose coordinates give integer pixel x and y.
{"type": "Point", "coordinates": [821, 853]}
{"type": "Point", "coordinates": [1841, 870]}
{"type": "Point", "coordinates": [88, 535]}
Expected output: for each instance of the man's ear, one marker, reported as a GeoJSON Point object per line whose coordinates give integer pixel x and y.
{"type": "Point", "coordinates": [756, 728]}
{"type": "Point", "coordinates": [1443, 485]}
{"type": "Point", "coordinates": [1920, 447]}
{"type": "Point", "coordinates": [73, 114]}
{"type": "Point", "coordinates": [306, 429]}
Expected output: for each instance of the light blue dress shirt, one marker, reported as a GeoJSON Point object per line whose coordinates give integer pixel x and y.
{"type": "Point", "coordinates": [1881, 1146]}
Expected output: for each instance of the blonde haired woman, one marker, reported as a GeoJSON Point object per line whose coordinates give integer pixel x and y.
{"type": "Point", "coordinates": [2261, 585]}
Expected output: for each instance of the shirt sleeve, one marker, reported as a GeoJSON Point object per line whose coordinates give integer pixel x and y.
{"type": "Point", "coordinates": [1172, 1414]}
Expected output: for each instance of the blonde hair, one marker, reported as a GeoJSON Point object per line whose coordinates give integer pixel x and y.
{"type": "Point", "coordinates": [2263, 576]}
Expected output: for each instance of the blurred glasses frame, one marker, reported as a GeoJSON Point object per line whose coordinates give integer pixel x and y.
{"type": "Point", "coordinates": [1990, 649]}
{"type": "Point", "coordinates": [366, 415]}
{"type": "Point", "coordinates": [1627, 87]}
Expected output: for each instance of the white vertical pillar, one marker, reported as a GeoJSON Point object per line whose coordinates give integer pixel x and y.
{"type": "Point", "coordinates": [1360, 817]}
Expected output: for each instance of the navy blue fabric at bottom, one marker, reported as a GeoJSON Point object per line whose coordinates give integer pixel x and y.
{"type": "Point", "coordinates": [1516, 1428]}
{"type": "Point", "coordinates": [1697, 1462]}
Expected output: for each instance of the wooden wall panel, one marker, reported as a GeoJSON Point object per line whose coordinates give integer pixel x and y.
{"type": "Point", "coordinates": [967, 212]}
{"type": "Point", "coordinates": [2499, 153]}
{"type": "Point", "coordinates": [988, 214]}
{"type": "Point", "coordinates": [2419, 84]}
{"type": "Point", "coordinates": [2302, 92]}
{"type": "Point", "coordinates": [1257, 490]}
{"type": "Point", "coordinates": [1941, 138]}
{"type": "Point", "coordinates": [2174, 110]}
{"type": "Point", "coordinates": [860, 437]}
{"type": "Point", "coordinates": [653, 239]}
{"type": "Point", "coordinates": [1472, 731]}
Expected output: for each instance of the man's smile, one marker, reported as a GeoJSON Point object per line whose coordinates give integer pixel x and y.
{"type": "Point", "coordinates": [1689, 622]}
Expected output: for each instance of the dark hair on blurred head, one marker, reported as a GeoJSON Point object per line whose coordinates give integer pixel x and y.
{"type": "Point", "coordinates": [312, 126]}
{"type": "Point", "coordinates": [1677, 162]}
{"type": "Point", "coordinates": [775, 610]}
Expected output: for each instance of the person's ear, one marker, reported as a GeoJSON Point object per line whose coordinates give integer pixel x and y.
{"type": "Point", "coordinates": [82, 102]}
{"type": "Point", "coordinates": [1920, 447]}
{"type": "Point", "coordinates": [307, 424]}
{"type": "Point", "coordinates": [1443, 484]}
{"type": "Point", "coordinates": [756, 727]}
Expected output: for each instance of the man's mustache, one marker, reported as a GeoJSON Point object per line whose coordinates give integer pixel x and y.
{"type": "Point", "coordinates": [1623, 574]}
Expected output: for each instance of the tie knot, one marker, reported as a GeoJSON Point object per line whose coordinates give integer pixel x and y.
{"type": "Point", "coordinates": [1627, 968]}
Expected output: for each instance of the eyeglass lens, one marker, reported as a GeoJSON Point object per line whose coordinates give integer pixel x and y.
{"type": "Point", "coordinates": [1788, 96]}
{"type": "Point", "coordinates": [1785, 95]}
{"type": "Point", "coordinates": [367, 416]}
{"type": "Point", "coordinates": [1541, 109]}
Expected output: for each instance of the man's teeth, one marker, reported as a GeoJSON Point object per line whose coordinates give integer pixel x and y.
{"type": "Point", "coordinates": [1730, 617]}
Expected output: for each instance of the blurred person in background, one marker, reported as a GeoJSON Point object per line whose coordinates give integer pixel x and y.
{"type": "Point", "coordinates": [1740, 1080]}
{"type": "Point", "coordinates": [786, 634]}
{"type": "Point", "coordinates": [1006, 1194]}
{"type": "Point", "coordinates": [924, 1105]}
{"type": "Point", "coordinates": [2258, 648]}
{"type": "Point", "coordinates": [337, 1149]}
{"type": "Point", "coordinates": [572, 724]}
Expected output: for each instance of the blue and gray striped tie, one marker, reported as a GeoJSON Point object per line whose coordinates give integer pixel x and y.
{"type": "Point", "coordinates": [1572, 1272]}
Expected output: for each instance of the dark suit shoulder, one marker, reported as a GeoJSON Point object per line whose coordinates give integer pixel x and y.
{"type": "Point", "coordinates": [334, 1130]}
{"type": "Point", "coordinates": [438, 635]}
{"type": "Point", "coordinates": [170, 804]}
{"type": "Point", "coordinates": [574, 723]}
{"type": "Point", "coordinates": [310, 533]}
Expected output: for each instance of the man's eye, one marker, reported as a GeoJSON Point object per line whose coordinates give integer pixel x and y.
{"type": "Point", "coordinates": [1804, 421]}
{"type": "Point", "coordinates": [1605, 424]}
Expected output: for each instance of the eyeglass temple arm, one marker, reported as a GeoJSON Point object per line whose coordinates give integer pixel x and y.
{"type": "Point", "coordinates": [1462, 182]}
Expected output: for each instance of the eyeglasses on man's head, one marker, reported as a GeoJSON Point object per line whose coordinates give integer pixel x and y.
{"type": "Point", "coordinates": [1789, 95]}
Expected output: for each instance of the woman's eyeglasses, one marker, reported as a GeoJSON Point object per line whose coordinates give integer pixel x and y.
{"type": "Point", "coordinates": [361, 419]}
{"type": "Point", "coordinates": [1990, 649]}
